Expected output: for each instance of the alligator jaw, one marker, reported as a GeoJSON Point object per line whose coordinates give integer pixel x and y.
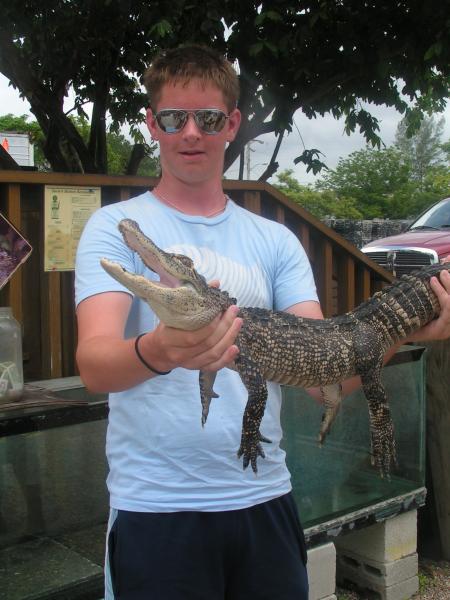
{"type": "Point", "coordinates": [173, 269]}
{"type": "Point", "coordinates": [182, 298]}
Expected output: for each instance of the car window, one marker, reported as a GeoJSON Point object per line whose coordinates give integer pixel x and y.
{"type": "Point", "coordinates": [437, 216]}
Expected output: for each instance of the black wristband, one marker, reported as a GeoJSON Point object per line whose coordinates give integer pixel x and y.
{"type": "Point", "coordinates": [142, 359]}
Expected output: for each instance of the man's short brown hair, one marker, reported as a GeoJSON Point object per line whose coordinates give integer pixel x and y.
{"type": "Point", "coordinates": [184, 63]}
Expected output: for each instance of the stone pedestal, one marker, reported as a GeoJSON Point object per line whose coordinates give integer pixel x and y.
{"type": "Point", "coordinates": [322, 572]}
{"type": "Point", "coordinates": [382, 558]}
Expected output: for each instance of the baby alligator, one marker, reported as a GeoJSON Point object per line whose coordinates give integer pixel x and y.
{"type": "Point", "coordinates": [291, 350]}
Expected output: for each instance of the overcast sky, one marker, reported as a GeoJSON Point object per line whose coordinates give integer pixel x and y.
{"type": "Point", "coordinates": [325, 134]}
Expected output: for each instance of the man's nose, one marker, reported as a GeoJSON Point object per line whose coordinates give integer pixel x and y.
{"type": "Point", "coordinates": [191, 128]}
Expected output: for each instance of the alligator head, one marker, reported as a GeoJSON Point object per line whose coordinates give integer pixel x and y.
{"type": "Point", "coordinates": [182, 297]}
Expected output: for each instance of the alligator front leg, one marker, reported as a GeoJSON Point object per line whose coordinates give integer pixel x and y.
{"type": "Point", "coordinates": [251, 438]}
{"type": "Point", "coordinates": [206, 382]}
{"type": "Point", "coordinates": [381, 426]}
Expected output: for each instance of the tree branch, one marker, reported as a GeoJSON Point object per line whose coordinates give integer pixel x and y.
{"type": "Point", "coordinates": [273, 165]}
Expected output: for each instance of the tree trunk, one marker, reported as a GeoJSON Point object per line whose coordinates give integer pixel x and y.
{"type": "Point", "coordinates": [137, 154]}
{"type": "Point", "coordinates": [97, 138]}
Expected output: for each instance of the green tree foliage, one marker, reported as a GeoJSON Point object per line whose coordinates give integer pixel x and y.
{"type": "Point", "coordinates": [446, 150]}
{"type": "Point", "coordinates": [435, 185]}
{"type": "Point", "coordinates": [396, 182]}
{"type": "Point", "coordinates": [378, 181]}
{"type": "Point", "coordinates": [422, 150]}
{"type": "Point", "coordinates": [119, 148]}
{"type": "Point", "coordinates": [319, 203]}
{"type": "Point", "coordinates": [119, 152]}
{"type": "Point", "coordinates": [321, 57]}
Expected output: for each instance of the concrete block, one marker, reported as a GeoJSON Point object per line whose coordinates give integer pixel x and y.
{"type": "Point", "coordinates": [400, 591]}
{"type": "Point", "coordinates": [383, 542]}
{"type": "Point", "coordinates": [374, 574]}
{"type": "Point", "coordinates": [322, 572]}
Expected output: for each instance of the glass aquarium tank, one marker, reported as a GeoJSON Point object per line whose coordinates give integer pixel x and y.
{"type": "Point", "coordinates": [54, 501]}
{"type": "Point", "coordinates": [53, 497]}
{"type": "Point", "coordinates": [338, 478]}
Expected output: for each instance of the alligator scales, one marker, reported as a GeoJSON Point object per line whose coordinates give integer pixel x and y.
{"type": "Point", "coordinates": [280, 347]}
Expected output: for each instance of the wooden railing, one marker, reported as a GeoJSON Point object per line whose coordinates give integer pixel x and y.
{"type": "Point", "coordinates": [43, 302]}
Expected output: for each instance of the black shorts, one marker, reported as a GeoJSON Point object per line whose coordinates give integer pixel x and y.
{"type": "Point", "coordinates": [257, 553]}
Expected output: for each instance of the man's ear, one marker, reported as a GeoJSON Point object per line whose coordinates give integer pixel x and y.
{"type": "Point", "coordinates": [151, 124]}
{"type": "Point", "coordinates": [234, 122]}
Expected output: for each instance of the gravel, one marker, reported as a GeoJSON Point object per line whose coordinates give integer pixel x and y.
{"type": "Point", "coordinates": [434, 578]}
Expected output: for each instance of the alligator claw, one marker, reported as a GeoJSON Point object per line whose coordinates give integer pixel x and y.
{"type": "Point", "coordinates": [251, 448]}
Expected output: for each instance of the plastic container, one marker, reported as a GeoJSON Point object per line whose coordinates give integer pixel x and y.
{"type": "Point", "coordinates": [11, 368]}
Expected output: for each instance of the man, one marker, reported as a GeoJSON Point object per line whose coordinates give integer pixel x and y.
{"type": "Point", "coordinates": [186, 522]}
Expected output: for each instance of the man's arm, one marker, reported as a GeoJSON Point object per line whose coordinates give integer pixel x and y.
{"type": "Point", "coordinates": [108, 362]}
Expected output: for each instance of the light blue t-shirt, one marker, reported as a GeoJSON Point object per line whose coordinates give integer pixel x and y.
{"type": "Point", "coordinates": [160, 457]}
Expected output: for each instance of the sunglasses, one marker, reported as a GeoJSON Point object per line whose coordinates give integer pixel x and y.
{"type": "Point", "coordinates": [209, 120]}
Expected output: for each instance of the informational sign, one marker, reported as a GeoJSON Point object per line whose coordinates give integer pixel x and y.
{"type": "Point", "coordinates": [14, 250]}
{"type": "Point", "coordinates": [66, 210]}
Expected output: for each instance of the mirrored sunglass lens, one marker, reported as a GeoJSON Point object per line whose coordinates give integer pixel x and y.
{"type": "Point", "coordinates": [171, 121]}
{"type": "Point", "coordinates": [210, 121]}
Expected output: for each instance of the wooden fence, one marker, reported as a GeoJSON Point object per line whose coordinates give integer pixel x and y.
{"type": "Point", "coordinates": [43, 302]}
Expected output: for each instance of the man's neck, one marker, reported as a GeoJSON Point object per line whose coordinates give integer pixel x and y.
{"type": "Point", "coordinates": [205, 199]}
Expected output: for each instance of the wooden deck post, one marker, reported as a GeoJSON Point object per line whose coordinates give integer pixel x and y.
{"type": "Point", "coordinates": [346, 279]}
{"type": "Point", "coordinates": [252, 201]}
{"type": "Point", "coordinates": [324, 277]}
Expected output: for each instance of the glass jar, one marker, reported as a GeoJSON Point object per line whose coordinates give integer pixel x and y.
{"type": "Point", "coordinates": [11, 368]}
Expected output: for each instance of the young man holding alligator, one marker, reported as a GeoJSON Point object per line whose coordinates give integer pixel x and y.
{"type": "Point", "coordinates": [186, 522]}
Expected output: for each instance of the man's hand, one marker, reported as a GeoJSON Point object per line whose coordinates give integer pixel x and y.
{"type": "Point", "coordinates": [210, 348]}
{"type": "Point", "coordinates": [439, 329]}
{"type": "Point", "coordinates": [108, 362]}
